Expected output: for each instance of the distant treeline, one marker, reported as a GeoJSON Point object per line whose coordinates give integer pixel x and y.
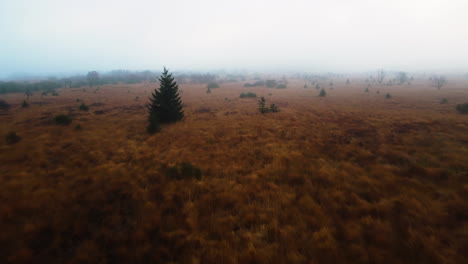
{"type": "Point", "coordinates": [23, 87]}
{"type": "Point", "coordinates": [94, 78]}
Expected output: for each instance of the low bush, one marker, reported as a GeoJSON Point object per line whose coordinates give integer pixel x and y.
{"type": "Point", "coordinates": [263, 109]}
{"type": "Point", "coordinates": [4, 105]}
{"type": "Point", "coordinates": [462, 108]}
{"type": "Point", "coordinates": [84, 107]}
{"type": "Point", "coordinates": [281, 86]}
{"type": "Point", "coordinates": [248, 95]}
{"type": "Point", "coordinates": [63, 120]}
{"type": "Point", "coordinates": [12, 138]}
{"type": "Point", "coordinates": [25, 104]}
{"type": "Point", "coordinates": [212, 85]}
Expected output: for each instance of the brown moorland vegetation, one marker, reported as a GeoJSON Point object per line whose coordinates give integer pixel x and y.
{"type": "Point", "coordinates": [352, 177]}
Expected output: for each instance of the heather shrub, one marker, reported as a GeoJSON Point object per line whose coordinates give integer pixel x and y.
{"type": "Point", "coordinates": [63, 120]}
{"type": "Point", "coordinates": [248, 95]}
{"type": "Point", "coordinates": [462, 108]}
{"type": "Point", "coordinates": [12, 138]}
{"type": "Point", "coordinates": [84, 107]}
{"type": "Point", "coordinates": [4, 105]}
{"type": "Point", "coordinates": [212, 85]}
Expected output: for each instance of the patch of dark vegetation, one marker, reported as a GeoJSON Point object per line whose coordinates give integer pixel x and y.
{"type": "Point", "coordinates": [99, 112]}
{"type": "Point", "coordinates": [462, 108]}
{"type": "Point", "coordinates": [255, 84]}
{"type": "Point", "coordinates": [322, 93]}
{"type": "Point", "coordinates": [248, 95]}
{"type": "Point", "coordinates": [281, 86]}
{"type": "Point", "coordinates": [25, 104]}
{"type": "Point", "coordinates": [12, 138]}
{"type": "Point", "coordinates": [271, 83]}
{"type": "Point", "coordinates": [84, 107]}
{"type": "Point", "coordinates": [4, 105]}
{"type": "Point", "coordinates": [263, 109]}
{"type": "Point", "coordinates": [183, 171]}
{"type": "Point", "coordinates": [212, 85]}
{"type": "Point", "coordinates": [62, 119]}
{"type": "Point", "coordinates": [96, 104]}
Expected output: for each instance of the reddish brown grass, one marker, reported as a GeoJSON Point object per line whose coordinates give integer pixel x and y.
{"type": "Point", "coordinates": [349, 178]}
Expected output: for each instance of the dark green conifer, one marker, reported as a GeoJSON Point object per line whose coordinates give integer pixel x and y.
{"type": "Point", "coordinates": [165, 104]}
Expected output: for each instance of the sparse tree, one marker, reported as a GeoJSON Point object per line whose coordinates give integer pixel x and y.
{"type": "Point", "coordinates": [380, 75]}
{"type": "Point", "coordinates": [27, 93]}
{"type": "Point", "coordinates": [402, 77]}
{"type": "Point", "coordinates": [93, 78]}
{"type": "Point", "coordinates": [165, 104]}
{"type": "Point", "coordinates": [439, 81]}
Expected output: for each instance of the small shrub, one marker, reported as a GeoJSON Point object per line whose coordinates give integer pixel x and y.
{"type": "Point", "coordinates": [305, 86]}
{"type": "Point", "coordinates": [322, 93]}
{"type": "Point", "coordinates": [366, 90]}
{"type": "Point", "coordinates": [63, 120]}
{"type": "Point", "coordinates": [443, 101]}
{"type": "Point", "coordinates": [462, 108]}
{"type": "Point", "coordinates": [25, 104]}
{"type": "Point", "coordinates": [4, 105]}
{"type": "Point", "coordinates": [84, 107]}
{"type": "Point", "coordinates": [388, 96]}
{"type": "Point", "coordinates": [212, 85]}
{"type": "Point", "coordinates": [12, 138]}
{"type": "Point", "coordinates": [183, 171]}
{"type": "Point", "coordinates": [248, 95]}
{"type": "Point", "coordinates": [54, 93]}
{"type": "Point", "coordinates": [274, 108]}
{"type": "Point", "coordinates": [263, 109]}
{"type": "Point", "coordinates": [281, 86]}
{"type": "Point", "coordinates": [208, 90]}
{"type": "Point", "coordinates": [78, 127]}
{"type": "Point", "coordinates": [317, 86]}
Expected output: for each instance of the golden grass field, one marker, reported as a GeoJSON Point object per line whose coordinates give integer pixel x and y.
{"type": "Point", "coordinates": [348, 178]}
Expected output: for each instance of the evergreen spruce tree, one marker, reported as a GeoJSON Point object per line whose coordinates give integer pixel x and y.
{"type": "Point", "coordinates": [322, 93]}
{"type": "Point", "coordinates": [165, 105]}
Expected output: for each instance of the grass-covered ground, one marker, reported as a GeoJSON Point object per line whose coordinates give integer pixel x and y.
{"type": "Point", "coordinates": [352, 177]}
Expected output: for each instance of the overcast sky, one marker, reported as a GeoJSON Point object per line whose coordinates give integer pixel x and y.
{"type": "Point", "coordinates": [50, 36]}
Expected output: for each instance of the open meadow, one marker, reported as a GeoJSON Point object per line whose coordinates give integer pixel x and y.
{"type": "Point", "coordinates": [352, 177]}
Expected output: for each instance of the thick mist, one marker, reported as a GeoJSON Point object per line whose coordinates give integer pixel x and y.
{"type": "Point", "coordinates": [44, 37]}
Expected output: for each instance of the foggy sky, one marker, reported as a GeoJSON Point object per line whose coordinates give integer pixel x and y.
{"type": "Point", "coordinates": [53, 36]}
